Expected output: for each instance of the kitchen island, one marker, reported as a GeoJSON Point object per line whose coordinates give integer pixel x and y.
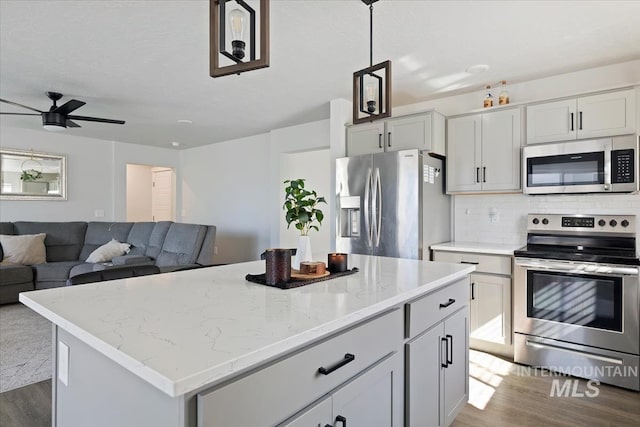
{"type": "Point", "coordinates": [205, 347]}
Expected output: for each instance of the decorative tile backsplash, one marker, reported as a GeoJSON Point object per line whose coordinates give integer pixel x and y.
{"type": "Point", "coordinates": [501, 218]}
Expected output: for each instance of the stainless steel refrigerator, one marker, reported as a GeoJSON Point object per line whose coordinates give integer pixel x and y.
{"type": "Point", "coordinates": [391, 204]}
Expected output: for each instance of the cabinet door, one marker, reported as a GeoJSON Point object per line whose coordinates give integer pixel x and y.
{"type": "Point", "coordinates": [372, 399]}
{"type": "Point", "coordinates": [409, 132]}
{"type": "Point", "coordinates": [551, 121]}
{"type": "Point", "coordinates": [463, 154]}
{"type": "Point", "coordinates": [607, 114]}
{"type": "Point", "coordinates": [456, 374]}
{"type": "Point", "coordinates": [424, 391]}
{"type": "Point", "coordinates": [365, 139]}
{"type": "Point", "coordinates": [491, 308]}
{"type": "Point", "coordinates": [501, 150]}
{"type": "Point", "coordinates": [319, 415]}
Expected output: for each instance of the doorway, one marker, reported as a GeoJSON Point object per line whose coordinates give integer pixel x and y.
{"type": "Point", "coordinates": [150, 193]}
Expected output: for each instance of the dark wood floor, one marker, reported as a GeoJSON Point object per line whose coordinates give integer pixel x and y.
{"type": "Point", "coordinates": [28, 406]}
{"type": "Point", "coordinates": [501, 395]}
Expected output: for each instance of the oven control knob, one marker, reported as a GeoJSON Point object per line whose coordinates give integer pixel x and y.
{"type": "Point", "coordinates": [613, 223]}
{"type": "Point", "coordinates": [602, 223]}
{"type": "Point", "coordinates": [624, 223]}
{"type": "Point", "coordinates": [545, 221]}
{"type": "Point", "coordinates": [536, 221]}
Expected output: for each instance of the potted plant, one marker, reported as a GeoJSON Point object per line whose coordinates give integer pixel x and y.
{"type": "Point", "coordinates": [301, 206]}
{"type": "Point", "coordinates": [30, 175]}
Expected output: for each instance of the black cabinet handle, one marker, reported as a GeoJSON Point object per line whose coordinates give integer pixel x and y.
{"type": "Point", "coordinates": [477, 174]}
{"type": "Point", "coordinates": [341, 419]}
{"type": "Point", "coordinates": [444, 341]}
{"type": "Point", "coordinates": [389, 139]}
{"type": "Point", "coordinates": [571, 122]}
{"type": "Point", "coordinates": [379, 140]}
{"type": "Point", "coordinates": [469, 262]}
{"type": "Point", "coordinates": [484, 174]}
{"type": "Point", "coordinates": [473, 287]}
{"type": "Point", "coordinates": [348, 358]}
{"type": "Point", "coordinates": [448, 303]}
{"type": "Point", "coordinates": [580, 122]}
{"type": "Point", "coordinates": [449, 354]}
{"type": "Point", "coordinates": [328, 425]}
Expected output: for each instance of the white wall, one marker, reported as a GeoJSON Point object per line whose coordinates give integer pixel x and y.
{"type": "Point", "coordinates": [227, 185]}
{"type": "Point", "coordinates": [139, 179]}
{"type": "Point", "coordinates": [96, 175]}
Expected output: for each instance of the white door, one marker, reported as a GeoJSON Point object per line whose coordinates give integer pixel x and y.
{"type": "Point", "coordinates": [606, 114]}
{"type": "Point", "coordinates": [367, 138]}
{"type": "Point", "coordinates": [501, 150]}
{"type": "Point", "coordinates": [463, 154]}
{"type": "Point", "coordinates": [552, 121]}
{"type": "Point", "coordinates": [409, 132]}
{"type": "Point", "coordinates": [491, 316]}
{"type": "Point", "coordinates": [319, 415]}
{"type": "Point", "coordinates": [162, 195]}
{"type": "Point", "coordinates": [456, 374]}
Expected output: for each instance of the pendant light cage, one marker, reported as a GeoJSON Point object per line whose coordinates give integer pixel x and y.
{"type": "Point", "coordinates": [219, 44]}
{"type": "Point", "coordinates": [376, 105]}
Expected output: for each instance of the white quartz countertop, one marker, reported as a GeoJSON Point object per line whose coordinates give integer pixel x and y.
{"type": "Point", "coordinates": [477, 247]}
{"type": "Point", "coordinates": [181, 331]}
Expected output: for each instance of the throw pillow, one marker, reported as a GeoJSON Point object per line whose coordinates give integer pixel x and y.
{"type": "Point", "coordinates": [108, 251]}
{"type": "Point", "coordinates": [27, 249]}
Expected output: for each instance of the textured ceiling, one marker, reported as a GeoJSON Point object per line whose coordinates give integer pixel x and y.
{"type": "Point", "coordinates": [147, 62]}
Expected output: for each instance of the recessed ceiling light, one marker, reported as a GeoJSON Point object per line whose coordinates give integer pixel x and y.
{"type": "Point", "coordinates": [477, 69]}
{"type": "Point", "coordinates": [175, 143]}
{"type": "Point", "coordinates": [185, 121]}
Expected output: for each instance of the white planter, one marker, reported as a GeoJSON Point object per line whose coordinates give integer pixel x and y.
{"type": "Point", "coordinates": [303, 252]}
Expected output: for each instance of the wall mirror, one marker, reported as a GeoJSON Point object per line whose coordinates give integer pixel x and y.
{"type": "Point", "coordinates": [32, 175]}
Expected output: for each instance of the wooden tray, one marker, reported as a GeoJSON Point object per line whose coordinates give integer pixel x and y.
{"type": "Point", "coordinates": [295, 274]}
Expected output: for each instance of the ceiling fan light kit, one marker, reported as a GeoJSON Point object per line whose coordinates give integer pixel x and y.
{"type": "Point", "coordinates": [234, 22]}
{"type": "Point", "coordinates": [372, 85]}
{"type": "Point", "coordinates": [58, 118]}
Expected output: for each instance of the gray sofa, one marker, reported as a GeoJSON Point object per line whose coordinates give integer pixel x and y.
{"type": "Point", "coordinates": [168, 245]}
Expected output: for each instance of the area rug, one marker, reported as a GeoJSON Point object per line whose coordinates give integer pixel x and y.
{"type": "Point", "coordinates": [25, 347]}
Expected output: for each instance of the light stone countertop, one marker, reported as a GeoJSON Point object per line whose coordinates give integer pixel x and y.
{"type": "Point", "coordinates": [477, 247]}
{"type": "Point", "coordinates": [181, 331]}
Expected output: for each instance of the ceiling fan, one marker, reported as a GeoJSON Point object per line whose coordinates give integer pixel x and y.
{"type": "Point", "coordinates": [58, 118]}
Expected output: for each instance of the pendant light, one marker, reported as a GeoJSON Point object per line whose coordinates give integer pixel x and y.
{"type": "Point", "coordinates": [372, 85]}
{"type": "Point", "coordinates": [236, 19]}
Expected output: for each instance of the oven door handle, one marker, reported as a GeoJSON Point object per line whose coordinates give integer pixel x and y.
{"type": "Point", "coordinates": [579, 268]}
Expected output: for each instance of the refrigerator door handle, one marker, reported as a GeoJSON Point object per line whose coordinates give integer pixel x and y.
{"type": "Point", "coordinates": [367, 206]}
{"type": "Point", "coordinates": [378, 205]}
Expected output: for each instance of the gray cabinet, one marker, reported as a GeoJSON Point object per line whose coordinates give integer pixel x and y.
{"type": "Point", "coordinates": [593, 116]}
{"type": "Point", "coordinates": [424, 131]}
{"type": "Point", "coordinates": [483, 152]}
{"type": "Point", "coordinates": [437, 357]}
{"type": "Point", "coordinates": [490, 304]}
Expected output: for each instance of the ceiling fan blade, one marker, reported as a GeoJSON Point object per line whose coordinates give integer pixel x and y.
{"type": "Point", "coordinates": [96, 119]}
{"type": "Point", "coordinates": [21, 114]}
{"type": "Point", "coordinates": [71, 124]}
{"type": "Point", "coordinates": [19, 105]}
{"type": "Point", "coordinates": [68, 107]}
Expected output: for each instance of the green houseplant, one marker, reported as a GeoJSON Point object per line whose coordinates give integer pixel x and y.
{"type": "Point", "coordinates": [30, 175]}
{"type": "Point", "coordinates": [301, 207]}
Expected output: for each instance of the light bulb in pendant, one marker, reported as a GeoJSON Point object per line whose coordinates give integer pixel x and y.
{"type": "Point", "coordinates": [236, 21]}
{"type": "Point", "coordinates": [371, 90]}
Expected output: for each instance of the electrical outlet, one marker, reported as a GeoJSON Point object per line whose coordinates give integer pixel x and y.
{"type": "Point", "coordinates": [98, 213]}
{"type": "Point", "coordinates": [215, 250]}
{"type": "Point", "coordinates": [63, 363]}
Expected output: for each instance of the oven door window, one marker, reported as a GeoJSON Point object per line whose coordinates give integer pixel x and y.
{"type": "Point", "coordinates": [585, 300]}
{"type": "Point", "coordinates": [566, 169]}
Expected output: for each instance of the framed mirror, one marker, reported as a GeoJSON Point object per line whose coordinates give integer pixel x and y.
{"type": "Point", "coordinates": [32, 175]}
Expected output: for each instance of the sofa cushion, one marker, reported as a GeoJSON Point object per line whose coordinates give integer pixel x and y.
{"type": "Point", "coordinates": [108, 251]}
{"type": "Point", "coordinates": [182, 244]}
{"type": "Point", "coordinates": [64, 239]}
{"type": "Point", "coordinates": [157, 238]}
{"type": "Point", "coordinates": [99, 233]}
{"type": "Point", "coordinates": [27, 249]}
{"type": "Point", "coordinates": [11, 274]}
{"type": "Point", "coordinates": [6, 228]}
{"type": "Point", "coordinates": [139, 237]}
{"type": "Point", "coordinates": [54, 271]}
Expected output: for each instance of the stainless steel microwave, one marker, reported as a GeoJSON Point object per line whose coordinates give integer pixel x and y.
{"type": "Point", "coordinates": [607, 165]}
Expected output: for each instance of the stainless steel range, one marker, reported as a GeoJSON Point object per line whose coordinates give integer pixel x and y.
{"type": "Point", "coordinates": [577, 297]}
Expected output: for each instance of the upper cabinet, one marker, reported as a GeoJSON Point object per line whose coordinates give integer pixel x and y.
{"type": "Point", "coordinates": [424, 131]}
{"type": "Point", "coordinates": [483, 152]}
{"type": "Point", "coordinates": [594, 116]}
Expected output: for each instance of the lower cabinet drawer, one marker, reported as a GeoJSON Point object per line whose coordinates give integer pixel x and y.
{"type": "Point", "coordinates": [426, 311]}
{"type": "Point", "coordinates": [270, 395]}
{"type": "Point", "coordinates": [494, 264]}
